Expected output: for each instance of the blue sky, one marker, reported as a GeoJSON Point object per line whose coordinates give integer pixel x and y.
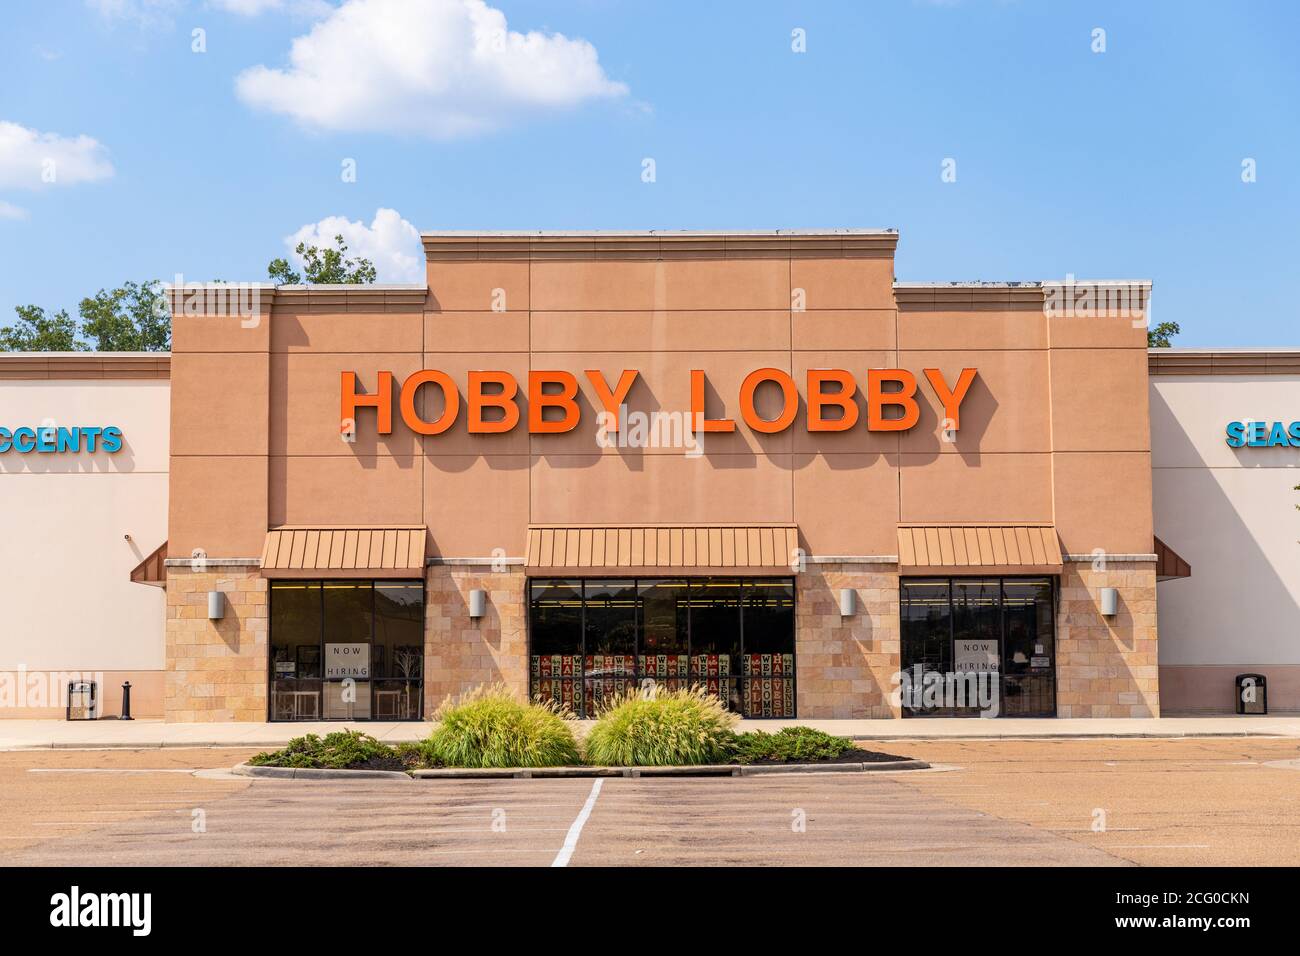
{"type": "Point", "coordinates": [1120, 164]}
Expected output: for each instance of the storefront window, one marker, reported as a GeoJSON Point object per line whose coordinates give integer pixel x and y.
{"type": "Point", "coordinates": [347, 650]}
{"type": "Point", "coordinates": [348, 615]}
{"type": "Point", "coordinates": [715, 639]}
{"type": "Point", "coordinates": [768, 666]}
{"type": "Point", "coordinates": [997, 630]}
{"type": "Point", "coordinates": [731, 637]}
{"type": "Point", "coordinates": [397, 670]}
{"type": "Point", "coordinates": [555, 623]}
{"type": "Point", "coordinates": [295, 650]}
{"type": "Point", "coordinates": [609, 661]}
{"type": "Point", "coordinates": [926, 619]}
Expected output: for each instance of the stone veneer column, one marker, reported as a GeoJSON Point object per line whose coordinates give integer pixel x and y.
{"type": "Point", "coordinates": [845, 667]}
{"type": "Point", "coordinates": [461, 653]}
{"type": "Point", "coordinates": [216, 670]}
{"type": "Point", "coordinates": [1107, 667]}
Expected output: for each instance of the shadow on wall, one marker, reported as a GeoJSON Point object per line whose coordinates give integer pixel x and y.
{"type": "Point", "coordinates": [1216, 541]}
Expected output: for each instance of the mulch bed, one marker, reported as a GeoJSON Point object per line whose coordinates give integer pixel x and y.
{"type": "Point", "coordinates": [859, 755]}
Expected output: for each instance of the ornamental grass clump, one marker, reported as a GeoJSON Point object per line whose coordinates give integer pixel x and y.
{"type": "Point", "coordinates": [491, 727]}
{"type": "Point", "coordinates": [661, 728]}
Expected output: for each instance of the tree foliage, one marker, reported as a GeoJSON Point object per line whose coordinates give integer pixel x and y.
{"type": "Point", "coordinates": [323, 267]}
{"type": "Point", "coordinates": [1162, 335]}
{"type": "Point", "coordinates": [134, 317]}
{"type": "Point", "coordinates": [37, 331]}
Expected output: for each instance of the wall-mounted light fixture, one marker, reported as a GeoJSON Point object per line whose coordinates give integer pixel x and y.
{"type": "Point", "coordinates": [477, 603]}
{"type": "Point", "coordinates": [1109, 602]}
{"type": "Point", "coordinates": [216, 605]}
{"type": "Point", "coordinates": [848, 602]}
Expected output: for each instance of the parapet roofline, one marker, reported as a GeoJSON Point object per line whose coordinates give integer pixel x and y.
{"type": "Point", "coordinates": [302, 287]}
{"type": "Point", "coordinates": [1265, 350]}
{"type": "Point", "coordinates": [83, 356]}
{"type": "Point", "coordinates": [658, 244]}
{"type": "Point", "coordinates": [634, 233]}
{"type": "Point", "coordinates": [1028, 284]}
{"type": "Point", "coordinates": [1238, 361]}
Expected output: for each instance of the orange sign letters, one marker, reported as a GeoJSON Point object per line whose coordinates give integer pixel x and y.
{"type": "Point", "coordinates": [557, 392]}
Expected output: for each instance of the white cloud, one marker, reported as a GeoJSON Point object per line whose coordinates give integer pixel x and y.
{"type": "Point", "coordinates": [247, 8]}
{"type": "Point", "coordinates": [438, 68]}
{"type": "Point", "coordinates": [310, 9]}
{"type": "Point", "coordinates": [30, 159]}
{"type": "Point", "coordinates": [9, 211]}
{"type": "Point", "coordinates": [390, 242]}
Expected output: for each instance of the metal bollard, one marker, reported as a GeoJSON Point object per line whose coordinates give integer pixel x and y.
{"type": "Point", "coordinates": [126, 701]}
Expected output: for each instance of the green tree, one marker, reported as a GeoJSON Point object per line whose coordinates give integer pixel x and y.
{"type": "Point", "coordinates": [1162, 335]}
{"type": "Point", "coordinates": [323, 267]}
{"type": "Point", "coordinates": [134, 317]}
{"type": "Point", "coordinates": [131, 318]}
{"type": "Point", "coordinates": [37, 332]}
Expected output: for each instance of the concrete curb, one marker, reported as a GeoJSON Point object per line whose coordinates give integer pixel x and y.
{"type": "Point", "coordinates": [307, 773]}
{"type": "Point", "coordinates": [699, 770]}
{"type": "Point", "coordinates": [1126, 735]}
{"type": "Point", "coordinates": [526, 773]}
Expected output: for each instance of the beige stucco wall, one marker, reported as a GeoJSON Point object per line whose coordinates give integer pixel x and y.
{"type": "Point", "coordinates": [1054, 430]}
{"type": "Point", "coordinates": [69, 604]}
{"type": "Point", "coordinates": [1229, 512]}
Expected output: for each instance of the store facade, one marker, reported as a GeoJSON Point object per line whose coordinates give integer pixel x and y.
{"type": "Point", "coordinates": [575, 464]}
{"type": "Point", "coordinates": [1226, 443]}
{"type": "Point", "coordinates": [83, 481]}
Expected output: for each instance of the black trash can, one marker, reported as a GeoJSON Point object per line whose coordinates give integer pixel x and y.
{"type": "Point", "coordinates": [82, 695]}
{"type": "Point", "coordinates": [1252, 694]}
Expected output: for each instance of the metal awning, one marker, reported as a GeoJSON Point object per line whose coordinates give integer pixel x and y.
{"type": "Point", "coordinates": [979, 549]}
{"type": "Point", "coordinates": [152, 570]}
{"type": "Point", "coordinates": [759, 549]}
{"type": "Point", "coordinates": [344, 552]}
{"type": "Point", "coordinates": [1169, 564]}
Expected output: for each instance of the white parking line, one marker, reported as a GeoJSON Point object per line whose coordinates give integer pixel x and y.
{"type": "Point", "coordinates": [1153, 846]}
{"type": "Point", "coordinates": [575, 831]}
{"type": "Point", "coordinates": [189, 770]}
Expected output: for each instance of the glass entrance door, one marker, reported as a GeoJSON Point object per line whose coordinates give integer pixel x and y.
{"type": "Point", "coordinates": [1028, 649]}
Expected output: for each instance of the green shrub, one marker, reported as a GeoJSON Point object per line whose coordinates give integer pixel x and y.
{"type": "Point", "coordinates": [661, 728]}
{"type": "Point", "coordinates": [491, 727]}
{"type": "Point", "coordinates": [340, 750]}
{"type": "Point", "coordinates": [415, 755]}
{"type": "Point", "coordinates": [790, 743]}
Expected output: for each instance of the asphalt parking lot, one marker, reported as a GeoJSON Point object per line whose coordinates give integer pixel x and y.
{"type": "Point", "coordinates": [1219, 801]}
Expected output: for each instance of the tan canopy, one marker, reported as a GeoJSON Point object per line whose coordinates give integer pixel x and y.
{"type": "Point", "coordinates": [980, 548]}
{"type": "Point", "coordinates": [344, 552]}
{"type": "Point", "coordinates": [767, 549]}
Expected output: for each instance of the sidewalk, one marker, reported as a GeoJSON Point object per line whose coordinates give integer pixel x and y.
{"type": "Point", "coordinates": [43, 734]}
